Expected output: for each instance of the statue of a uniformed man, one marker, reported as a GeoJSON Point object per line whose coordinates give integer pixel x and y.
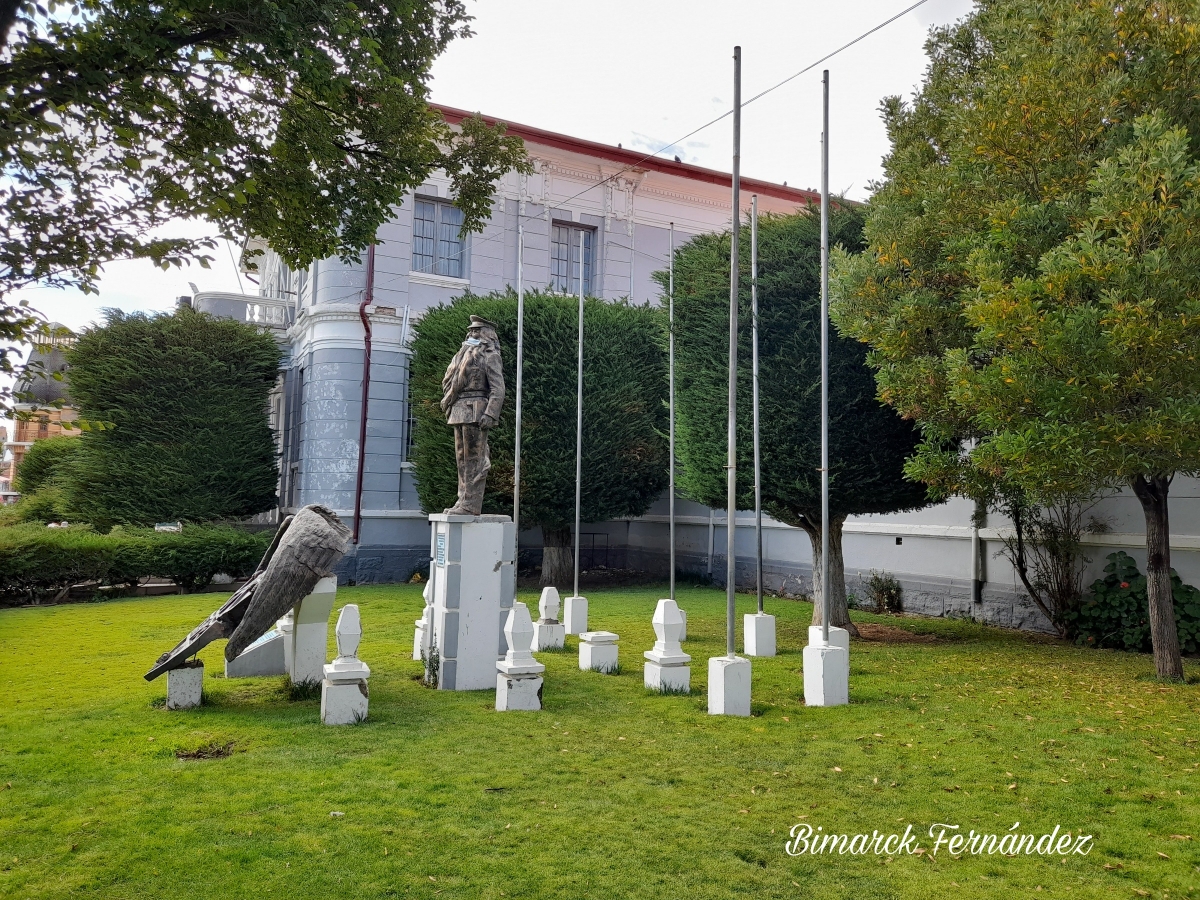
{"type": "Point", "coordinates": [472, 396]}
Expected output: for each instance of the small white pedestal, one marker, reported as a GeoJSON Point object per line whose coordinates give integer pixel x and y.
{"type": "Point", "coordinates": [519, 678]}
{"type": "Point", "coordinates": [185, 686]}
{"type": "Point", "coordinates": [575, 615]}
{"type": "Point", "coordinates": [838, 637]}
{"type": "Point", "coordinates": [548, 632]}
{"type": "Point", "coordinates": [667, 666]}
{"type": "Point", "coordinates": [683, 633]}
{"type": "Point", "coordinates": [826, 682]}
{"type": "Point", "coordinates": [728, 686]}
{"type": "Point", "coordinates": [598, 651]}
{"type": "Point", "coordinates": [472, 578]}
{"type": "Point", "coordinates": [758, 634]}
{"type": "Point", "coordinates": [344, 694]}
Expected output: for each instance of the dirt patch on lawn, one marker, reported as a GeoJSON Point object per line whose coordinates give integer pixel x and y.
{"type": "Point", "coordinates": [890, 634]}
{"type": "Point", "coordinates": [211, 750]}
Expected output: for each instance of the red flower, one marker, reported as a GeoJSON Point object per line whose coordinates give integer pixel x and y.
{"type": "Point", "coordinates": [1124, 584]}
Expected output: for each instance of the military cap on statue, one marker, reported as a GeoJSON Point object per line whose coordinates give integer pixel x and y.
{"type": "Point", "coordinates": [481, 322]}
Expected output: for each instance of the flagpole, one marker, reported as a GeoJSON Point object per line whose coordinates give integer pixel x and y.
{"type": "Point", "coordinates": [671, 399]}
{"type": "Point", "coordinates": [520, 369]}
{"type": "Point", "coordinates": [825, 359]}
{"type": "Point", "coordinates": [758, 550]}
{"type": "Point", "coordinates": [579, 419]}
{"type": "Point", "coordinates": [731, 449]}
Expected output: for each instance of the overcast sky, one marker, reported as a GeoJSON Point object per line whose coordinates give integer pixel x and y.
{"type": "Point", "coordinates": [642, 73]}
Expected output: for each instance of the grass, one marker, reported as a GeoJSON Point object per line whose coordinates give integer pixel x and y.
{"type": "Point", "coordinates": [611, 791]}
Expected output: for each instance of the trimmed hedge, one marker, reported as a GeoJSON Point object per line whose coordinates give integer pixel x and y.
{"type": "Point", "coordinates": [1117, 615]}
{"type": "Point", "coordinates": [37, 563]}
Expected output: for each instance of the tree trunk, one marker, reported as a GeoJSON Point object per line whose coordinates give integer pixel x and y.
{"type": "Point", "coordinates": [839, 613]}
{"type": "Point", "coordinates": [558, 558]}
{"type": "Point", "coordinates": [1164, 634]}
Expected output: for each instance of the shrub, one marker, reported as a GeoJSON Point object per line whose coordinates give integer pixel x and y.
{"type": "Point", "coordinates": [44, 463]}
{"type": "Point", "coordinates": [885, 592]}
{"type": "Point", "coordinates": [1117, 614]}
{"type": "Point", "coordinates": [37, 563]}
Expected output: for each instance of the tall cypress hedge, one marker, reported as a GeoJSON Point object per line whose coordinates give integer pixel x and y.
{"type": "Point", "coordinates": [868, 442]}
{"type": "Point", "coordinates": [187, 396]}
{"type": "Point", "coordinates": [624, 414]}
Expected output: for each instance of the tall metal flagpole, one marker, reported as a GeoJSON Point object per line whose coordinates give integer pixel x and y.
{"type": "Point", "coordinates": [579, 419]}
{"type": "Point", "coordinates": [731, 456]}
{"type": "Point", "coordinates": [520, 367]}
{"type": "Point", "coordinates": [671, 398]}
{"type": "Point", "coordinates": [758, 553]}
{"type": "Point", "coordinates": [825, 359]}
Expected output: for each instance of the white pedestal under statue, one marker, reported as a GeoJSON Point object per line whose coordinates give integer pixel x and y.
{"type": "Point", "coordinates": [548, 632]}
{"type": "Point", "coordinates": [519, 678]}
{"type": "Point", "coordinates": [344, 693]}
{"type": "Point", "coordinates": [758, 634]}
{"type": "Point", "coordinates": [667, 666]}
{"type": "Point", "coordinates": [827, 668]}
{"type": "Point", "coordinates": [728, 686]}
{"type": "Point", "coordinates": [472, 577]}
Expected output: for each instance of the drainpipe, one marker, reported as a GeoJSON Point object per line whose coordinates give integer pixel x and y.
{"type": "Point", "coordinates": [368, 299]}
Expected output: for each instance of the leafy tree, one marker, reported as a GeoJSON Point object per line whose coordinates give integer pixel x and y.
{"type": "Point", "coordinates": [44, 462]}
{"type": "Point", "coordinates": [1029, 294]}
{"type": "Point", "coordinates": [624, 413]}
{"type": "Point", "coordinates": [868, 442]}
{"type": "Point", "coordinates": [303, 122]}
{"type": "Point", "coordinates": [186, 394]}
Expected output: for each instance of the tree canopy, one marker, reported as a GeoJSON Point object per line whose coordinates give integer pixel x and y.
{"type": "Point", "coordinates": [624, 412]}
{"type": "Point", "coordinates": [1030, 293]}
{"type": "Point", "coordinates": [186, 394]}
{"type": "Point", "coordinates": [303, 122]}
{"type": "Point", "coordinates": [868, 441]}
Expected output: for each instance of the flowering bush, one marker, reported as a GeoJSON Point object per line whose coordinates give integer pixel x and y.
{"type": "Point", "coordinates": [1117, 614]}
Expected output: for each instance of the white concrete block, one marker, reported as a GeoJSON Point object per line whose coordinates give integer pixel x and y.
{"type": "Point", "coordinates": [310, 632]}
{"type": "Point", "coordinates": [518, 634]}
{"type": "Point", "coordinates": [518, 692]}
{"type": "Point", "coordinates": [758, 634]}
{"type": "Point", "coordinates": [263, 658]}
{"type": "Point", "coordinates": [683, 632]}
{"type": "Point", "coordinates": [598, 651]}
{"type": "Point", "coordinates": [575, 615]}
{"type": "Point", "coordinates": [549, 636]}
{"type": "Point", "coordinates": [343, 703]}
{"type": "Point", "coordinates": [548, 605]}
{"type": "Point", "coordinates": [667, 678]}
{"type": "Point", "coordinates": [728, 686]}
{"type": "Point", "coordinates": [185, 686]}
{"type": "Point", "coordinates": [826, 682]}
{"type": "Point", "coordinates": [838, 637]}
{"type": "Point", "coordinates": [423, 629]}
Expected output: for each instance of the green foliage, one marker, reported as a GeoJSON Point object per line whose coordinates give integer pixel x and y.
{"type": "Point", "coordinates": [1032, 277]}
{"type": "Point", "coordinates": [868, 442]}
{"type": "Point", "coordinates": [624, 413]}
{"type": "Point", "coordinates": [885, 592]}
{"type": "Point", "coordinates": [38, 562]}
{"type": "Point", "coordinates": [1117, 615]}
{"type": "Point", "coordinates": [45, 463]}
{"type": "Point", "coordinates": [303, 122]}
{"type": "Point", "coordinates": [187, 395]}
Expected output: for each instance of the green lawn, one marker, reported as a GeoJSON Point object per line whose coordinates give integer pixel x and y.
{"type": "Point", "coordinates": [608, 792]}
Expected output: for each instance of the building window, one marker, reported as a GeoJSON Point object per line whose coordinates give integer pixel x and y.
{"type": "Point", "coordinates": [437, 239]}
{"type": "Point", "coordinates": [564, 259]}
